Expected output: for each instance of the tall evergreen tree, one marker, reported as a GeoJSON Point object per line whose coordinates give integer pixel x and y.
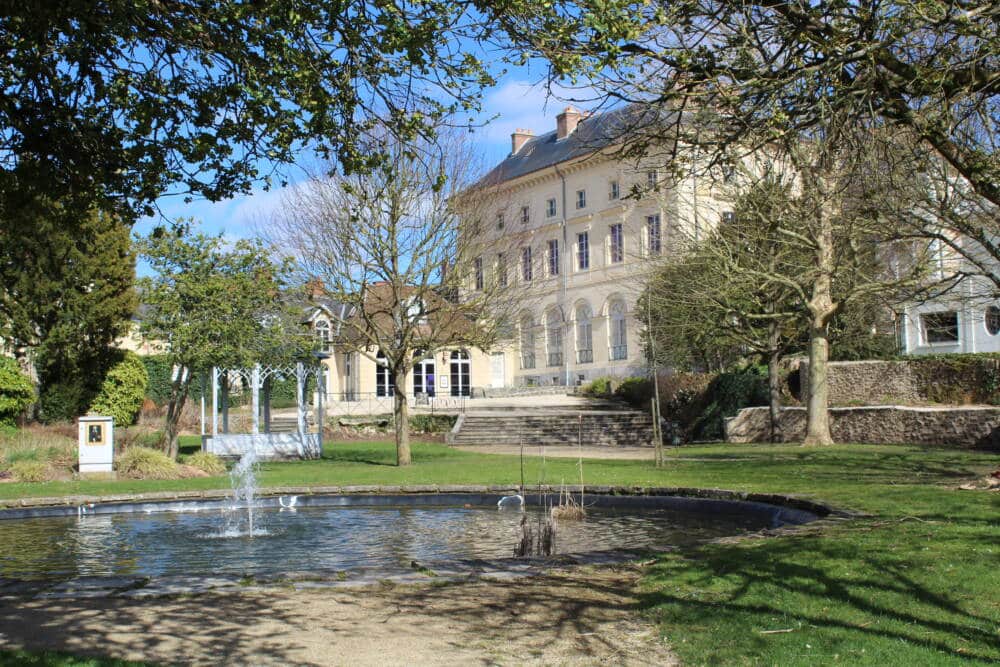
{"type": "Point", "coordinates": [66, 294]}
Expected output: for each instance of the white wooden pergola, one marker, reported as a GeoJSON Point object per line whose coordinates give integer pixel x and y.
{"type": "Point", "coordinates": [276, 438]}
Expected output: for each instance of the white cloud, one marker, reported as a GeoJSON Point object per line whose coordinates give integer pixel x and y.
{"type": "Point", "coordinates": [521, 104]}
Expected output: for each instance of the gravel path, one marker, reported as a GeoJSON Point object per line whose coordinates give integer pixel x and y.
{"type": "Point", "coordinates": [583, 616]}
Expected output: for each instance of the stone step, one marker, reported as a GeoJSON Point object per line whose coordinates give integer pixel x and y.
{"type": "Point", "coordinates": [556, 427]}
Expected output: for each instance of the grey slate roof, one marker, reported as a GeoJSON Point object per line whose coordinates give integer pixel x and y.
{"type": "Point", "coordinates": [592, 134]}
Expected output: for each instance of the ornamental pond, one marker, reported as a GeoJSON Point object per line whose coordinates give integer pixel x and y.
{"type": "Point", "coordinates": [337, 533]}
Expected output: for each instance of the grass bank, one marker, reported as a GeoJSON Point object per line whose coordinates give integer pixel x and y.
{"type": "Point", "coordinates": [917, 583]}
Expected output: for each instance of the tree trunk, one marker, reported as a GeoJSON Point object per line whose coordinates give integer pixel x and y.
{"type": "Point", "coordinates": [774, 380]}
{"type": "Point", "coordinates": [178, 396]}
{"type": "Point", "coordinates": [818, 413]}
{"type": "Point", "coordinates": [401, 415]}
{"type": "Point", "coordinates": [821, 310]}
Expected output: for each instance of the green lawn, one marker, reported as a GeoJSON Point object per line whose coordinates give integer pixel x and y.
{"type": "Point", "coordinates": [916, 584]}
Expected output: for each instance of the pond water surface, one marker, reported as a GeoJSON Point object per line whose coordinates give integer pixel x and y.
{"type": "Point", "coordinates": [320, 538]}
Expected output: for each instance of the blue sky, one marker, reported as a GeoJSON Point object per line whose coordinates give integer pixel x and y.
{"type": "Point", "coordinates": [514, 103]}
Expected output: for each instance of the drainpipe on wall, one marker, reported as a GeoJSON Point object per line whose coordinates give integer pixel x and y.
{"type": "Point", "coordinates": [564, 277]}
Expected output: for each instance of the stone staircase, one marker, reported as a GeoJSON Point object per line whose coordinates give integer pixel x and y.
{"type": "Point", "coordinates": [288, 423]}
{"type": "Point", "coordinates": [607, 428]}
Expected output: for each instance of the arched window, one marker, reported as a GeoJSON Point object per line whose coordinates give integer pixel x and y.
{"type": "Point", "coordinates": [527, 342]}
{"type": "Point", "coordinates": [617, 331]}
{"type": "Point", "coordinates": [385, 379]}
{"type": "Point", "coordinates": [322, 328]}
{"type": "Point", "coordinates": [584, 335]}
{"type": "Point", "coordinates": [553, 337]}
{"type": "Point", "coordinates": [460, 372]}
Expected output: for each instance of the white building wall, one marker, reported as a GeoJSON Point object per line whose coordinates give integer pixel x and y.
{"type": "Point", "coordinates": [972, 303]}
{"type": "Point", "coordinates": [686, 209]}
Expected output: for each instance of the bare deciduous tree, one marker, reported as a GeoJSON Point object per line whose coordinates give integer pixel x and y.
{"type": "Point", "coordinates": [396, 250]}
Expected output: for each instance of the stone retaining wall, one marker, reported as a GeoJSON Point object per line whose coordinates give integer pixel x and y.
{"type": "Point", "coordinates": [907, 382]}
{"type": "Point", "coordinates": [960, 427]}
{"type": "Point", "coordinates": [867, 383]}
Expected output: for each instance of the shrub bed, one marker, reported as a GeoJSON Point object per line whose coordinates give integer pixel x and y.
{"type": "Point", "coordinates": [31, 471]}
{"type": "Point", "coordinates": [206, 462]}
{"type": "Point", "coordinates": [146, 463]}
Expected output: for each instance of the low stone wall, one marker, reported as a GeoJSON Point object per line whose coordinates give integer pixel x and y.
{"type": "Point", "coordinates": [911, 381]}
{"type": "Point", "coordinates": [960, 427]}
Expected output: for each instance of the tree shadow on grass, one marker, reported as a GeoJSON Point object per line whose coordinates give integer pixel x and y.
{"type": "Point", "coordinates": [858, 593]}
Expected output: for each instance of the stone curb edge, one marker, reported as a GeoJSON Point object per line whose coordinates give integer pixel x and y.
{"type": "Point", "coordinates": [792, 501]}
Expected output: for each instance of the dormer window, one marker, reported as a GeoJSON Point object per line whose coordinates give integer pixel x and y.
{"type": "Point", "coordinates": [415, 311]}
{"type": "Point", "coordinates": [322, 329]}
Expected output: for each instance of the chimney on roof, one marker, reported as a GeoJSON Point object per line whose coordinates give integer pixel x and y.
{"type": "Point", "coordinates": [518, 139]}
{"type": "Point", "coordinates": [315, 288]}
{"type": "Point", "coordinates": [566, 122]}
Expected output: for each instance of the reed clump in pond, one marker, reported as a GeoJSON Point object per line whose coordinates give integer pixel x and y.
{"type": "Point", "coordinates": [568, 509]}
{"type": "Point", "coordinates": [537, 540]}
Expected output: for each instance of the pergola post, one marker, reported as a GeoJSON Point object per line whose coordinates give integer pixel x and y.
{"type": "Point", "coordinates": [321, 386]}
{"type": "Point", "coordinates": [203, 403]}
{"type": "Point", "coordinates": [215, 401]}
{"type": "Point", "coordinates": [225, 401]}
{"type": "Point", "coordinates": [267, 402]}
{"type": "Point", "coordinates": [255, 398]}
{"type": "Point", "coordinates": [300, 391]}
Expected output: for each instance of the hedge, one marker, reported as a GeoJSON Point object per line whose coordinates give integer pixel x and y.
{"type": "Point", "coordinates": [123, 390]}
{"type": "Point", "coordinates": [16, 391]}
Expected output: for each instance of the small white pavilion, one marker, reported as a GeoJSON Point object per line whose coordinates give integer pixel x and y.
{"type": "Point", "coordinates": [279, 436]}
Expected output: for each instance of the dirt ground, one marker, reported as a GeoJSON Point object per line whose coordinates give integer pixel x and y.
{"type": "Point", "coordinates": [584, 616]}
{"type": "Point", "coordinates": [567, 451]}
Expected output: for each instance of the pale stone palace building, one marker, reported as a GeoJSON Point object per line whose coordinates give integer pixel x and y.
{"type": "Point", "coordinates": [574, 229]}
{"type": "Point", "coordinates": [577, 229]}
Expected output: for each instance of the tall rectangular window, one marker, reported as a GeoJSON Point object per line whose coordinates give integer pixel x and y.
{"type": "Point", "coordinates": [616, 244]}
{"type": "Point", "coordinates": [653, 238]}
{"type": "Point", "coordinates": [502, 269]}
{"type": "Point", "coordinates": [477, 265]}
{"type": "Point", "coordinates": [554, 257]}
{"type": "Point", "coordinates": [525, 215]}
{"type": "Point", "coordinates": [550, 208]}
{"type": "Point", "coordinates": [614, 191]}
{"type": "Point", "coordinates": [581, 199]}
{"type": "Point", "coordinates": [583, 251]}
{"type": "Point", "coordinates": [653, 179]}
{"type": "Point", "coordinates": [500, 220]}
{"type": "Point", "coordinates": [526, 269]}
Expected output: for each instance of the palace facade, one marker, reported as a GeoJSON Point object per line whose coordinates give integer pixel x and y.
{"type": "Point", "coordinates": [574, 229]}
{"type": "Point", "coordinates": [577, 228]}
